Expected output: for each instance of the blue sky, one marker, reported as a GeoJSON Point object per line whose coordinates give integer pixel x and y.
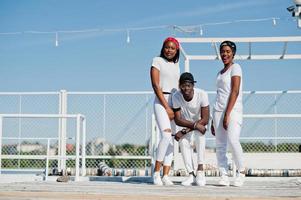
{"type": "Point", "coordinates": [104, 61]}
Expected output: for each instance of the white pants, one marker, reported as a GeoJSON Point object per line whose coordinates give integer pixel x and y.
{"type": "Point", "coordinates": [165, 146]}
{"type": "Point", "coordinates": [187, 143]}
{"type": "Point", "coordinates": [231, 136]}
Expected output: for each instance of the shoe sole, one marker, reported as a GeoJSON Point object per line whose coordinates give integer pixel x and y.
{"type": "Point", "coordinates": [226, 185]}
{"type": "Point", "coordinates": [237, 185]}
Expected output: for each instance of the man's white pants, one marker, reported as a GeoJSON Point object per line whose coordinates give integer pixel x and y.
{"type": "Point", "coordinates": [231, 136]}
{"type": "Point", "coordinates": [186, 145]}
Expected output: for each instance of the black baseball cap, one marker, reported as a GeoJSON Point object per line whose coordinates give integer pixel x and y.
{"type": "Point", "coordinates": [186, 77]}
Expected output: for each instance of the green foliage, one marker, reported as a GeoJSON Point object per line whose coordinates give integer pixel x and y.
{"type": "Point", "coordinates": [263, 147]}
{"type": "Point", "coordinates": [129, 150]}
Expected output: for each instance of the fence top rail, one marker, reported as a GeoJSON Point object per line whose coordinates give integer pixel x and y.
{"type": "Point", "coordinates": [29, 93]}
{"type": "Point", "coordinates": [111, 93]}
{"type": "Point", "coordinates": [41, 115]}
{"type": "Point", "coordinates": [266, 92]}
{"type": "Point", "coordinates": [137, 92]}
{"type": "Point", "coordinates": [272, 115]}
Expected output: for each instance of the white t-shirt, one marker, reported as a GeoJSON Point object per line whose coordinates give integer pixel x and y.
{"type": "Point", "coordinates": [223, 84]}
{"type": "Point", "coordinates": [190, 110]}
{"type": "Point", "coordinates": [169, 74]}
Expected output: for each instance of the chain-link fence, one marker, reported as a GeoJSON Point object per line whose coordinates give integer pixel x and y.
{"type": "Point", "coordinates": [119, 126]}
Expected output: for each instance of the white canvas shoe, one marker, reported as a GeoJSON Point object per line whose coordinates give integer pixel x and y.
{"type": "Point", "coordinates": [239, 180]}
{"type": "Point", "coordinates": [166, 181]}
{"type": "Point", "coordinates": [224, 181]}
{"type": "Point", "coordinates": [188, 181]}
{"type": "Point", "coordinates": [200, 178]}
{"type": "Point", "coordinates": [157, 179]}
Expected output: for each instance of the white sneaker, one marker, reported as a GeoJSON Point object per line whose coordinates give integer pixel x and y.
{"type": "Point", "coordinates": [166, 181]}
{"type": "Point", "coordinates": [189, 181]}
{"type": "Point", "coordinates": [157, 179]}
{"type": "Point", "coordinates": [200, 178]}
{"type": "Point", "coordinates": [224, 181]}
{"type": "Point", "coordinates": [239, 180]}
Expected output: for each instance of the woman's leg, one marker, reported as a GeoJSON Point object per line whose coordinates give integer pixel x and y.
{"type": "Point", "coordinates": [164, 126]}
{"type": "Point", "coordinates": [221, 142]}
{"type": "Point", "coordinates": [234, 129]}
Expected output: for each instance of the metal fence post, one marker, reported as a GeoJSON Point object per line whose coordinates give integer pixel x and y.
{"type": "Point", "coordinates": [83, 146]}
{"type": "Point", "coordinates": [1, 130]}
{"type": "Point", "coordinates": [275, 123]}
{"type": "Point", "coordinates": [153, 142]}
{"type": "Point", "coordinates": [104, 117]}
{"type": "Point", "coordinates": [62, 130]}
{"type": "Point", "coordinates": [78, 127]}
{"type": "Point", "coordinates": [47, 159]}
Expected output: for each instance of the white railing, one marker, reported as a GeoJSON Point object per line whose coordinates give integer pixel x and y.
{"type": "Point", "coordinates": [178, 163]}
{"type": "Point", "coordinates": [117, 118]}
{"type": "Point", "coordinates": [80, 130]}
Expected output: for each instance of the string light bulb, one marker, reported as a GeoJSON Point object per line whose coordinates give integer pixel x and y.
{"type": "Point", "coordinates": [56, 39]}
{"type": "Point", "coordinates": [274, 22]}
{"type": "Point", "coordinates": [128, 39]}
{"type": "Point", "coordinates": [201, 30]}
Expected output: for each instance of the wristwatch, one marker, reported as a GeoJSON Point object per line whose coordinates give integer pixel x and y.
{"type": "Point", "coordinates": [184, 131]}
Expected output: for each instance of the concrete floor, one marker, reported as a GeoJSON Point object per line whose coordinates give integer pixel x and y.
{"type": "Point", "coordinates": [134, 188]}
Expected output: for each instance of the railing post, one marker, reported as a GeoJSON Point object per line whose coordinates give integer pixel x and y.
{"type": "Point", "coordinates": [78, 121]}
{"type": "Point", "coordinates": [1, 132]}
{"type": "Point", "coordinates": [83, 146]}
{"type": "Point", "coordinates": [187, 68]}
{"type": "Point", "coordinates": [62, 131]}
{"type": "Point", "coordinates": [47, 159]}
{"type": "Point", "coordinates": [154, 142]}
{"type": "Point", "coordinates": [104, 117]}
{"type": "Point", "coordinates": [275, 124]}
{"type": "Point", "coordinates": [19, 129]}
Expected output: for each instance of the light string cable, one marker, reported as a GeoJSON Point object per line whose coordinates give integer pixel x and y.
{"type": "Point", "coordinates": [201, 27]}
{"type": "Point", "coordinates": [191, 29]}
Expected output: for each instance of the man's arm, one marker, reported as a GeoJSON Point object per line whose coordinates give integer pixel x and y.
{"type": "Point", "coordinates": [180, 121]}
{"type": "Point", "coordinates": [201, 124]}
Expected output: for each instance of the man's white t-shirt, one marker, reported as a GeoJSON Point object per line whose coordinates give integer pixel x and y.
{"type": "Point", "coordinates": [190, 110]}
{"type": "Point", "coordinates": [169, 73]}
{"type": "Point", "coordinates": [223, 84]}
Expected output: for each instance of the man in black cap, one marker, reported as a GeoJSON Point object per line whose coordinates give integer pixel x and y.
{"type": "Point", "coordinates": [191, 107]}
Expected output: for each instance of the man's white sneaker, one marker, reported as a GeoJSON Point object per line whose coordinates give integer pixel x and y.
{"type": "Point", "coordinates": [239, 180]}
{"type": "Point", "coordinates": [157, 179]}
{"type": "Point", "coordinates": [200, 178]}
{"type": "Point", "coordinates": [224, 181]}
{"type": "Point", "coordinates": [166, 181]}
{"type": "Point", "coordinates": [189, 181]}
